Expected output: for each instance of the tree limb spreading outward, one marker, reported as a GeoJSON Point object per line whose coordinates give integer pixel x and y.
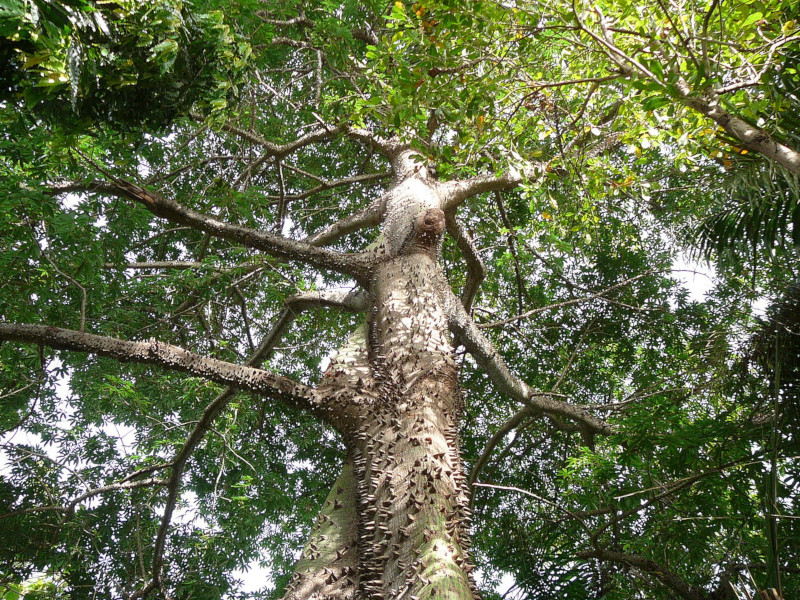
{"type": "Point", "coordinates": [476, 269]}
{"type": "Point", "coordinates": [354, 265]}
{"type": "Point", "coordinates": [485, 354]}
{"type": "Point", "coordinates": [708, 103]}
{"type": "Point", "coordinates": [352, 300]}
{"type": "Point", "coordinates": [165, 355]}
{"type": "Point", "coordinates": [667, 577]}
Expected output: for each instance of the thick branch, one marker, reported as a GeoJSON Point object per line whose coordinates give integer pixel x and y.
{"type": "Point", "coordinates": [165, 355]}
{"type": "Point", "coordinates": [485, 354]}
{"type": "Point", "coordinates": [455, 192]}
{"type": "Point", "coordinates": [354, 300]}
{"type": "Point", "coordinates": [354, 265]}
{"type": "Point", "coordinates": [753, 138]}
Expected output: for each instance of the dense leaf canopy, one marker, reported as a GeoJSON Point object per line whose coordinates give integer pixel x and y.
{"type": "Point", "coordinates": [626, 125]}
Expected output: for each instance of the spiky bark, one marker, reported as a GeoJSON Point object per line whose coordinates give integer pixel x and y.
{"type": "Point", "coordinates": [396, 524]}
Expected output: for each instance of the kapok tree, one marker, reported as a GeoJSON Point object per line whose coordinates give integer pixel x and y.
{"type": "Point", "coordinates": [412, 96]}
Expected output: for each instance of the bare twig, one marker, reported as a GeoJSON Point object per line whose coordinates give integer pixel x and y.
{"type": "Point", "coordinates": [536, 311]}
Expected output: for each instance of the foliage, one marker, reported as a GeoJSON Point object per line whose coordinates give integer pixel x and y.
{"type": "Point", "coordinates": [584, 298]}
{"type": "Point", "coordinates": [122, 62]}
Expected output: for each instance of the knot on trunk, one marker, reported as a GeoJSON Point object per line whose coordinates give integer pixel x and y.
{"type": "Point", "coordinates": [428, 226]}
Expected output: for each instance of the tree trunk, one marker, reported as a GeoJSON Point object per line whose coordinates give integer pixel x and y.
{"type": "Point", "coordinates": [396, 523]}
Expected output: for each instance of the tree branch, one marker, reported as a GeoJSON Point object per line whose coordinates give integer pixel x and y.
{"type": "Point", "coordinates": [354, 265]}
{"type": "Point", "coordinates": [281, 150]}
{"type": "Point", "coordinates": [327, 185]}
{"type": "Point", "coordinates": [510, 241]}
{"type": "Point", "coordinates": [751, 137]}
{"type": "Point", "coordinates": [69, 509]}
{"type": "Point", "coordinates": [354, 300]}
{"type": "Point", "coordinates": [476, 270]}
{"type": "Point", "coordinates": [293, 306]}
{"type": "Point", "coordinates": [512, 423]}
{"type": "Point", "coordinates": [556, 505]}
{"type": "Point", "coordinates": [455, 192]}
{"type": "Point", "coordinates": [168, 356]}
{"type": "Point", "coordinates": [592, 296]}
{"type": "Point", "coordinates": [369, 217]}
{"type": "Point", "coordinates": [487, 356]}
{"type": "Point", "coordinates": [660, 572]}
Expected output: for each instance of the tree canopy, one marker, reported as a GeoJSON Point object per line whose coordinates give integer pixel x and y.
{"type": "Point", "coordinates": [193, 201]}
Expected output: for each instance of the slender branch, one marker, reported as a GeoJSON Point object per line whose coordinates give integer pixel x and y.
{"type": "Point", "coordinates": [677, 31]}
{"type": "Point", "coordinates": [476, 270]}
{"type": "Point", "coordinates": [155, 265]}
{"type": "Point", "coordinates": [245, 316]}
{"type": "Point", "coordinates": [536, 311]}
{"type": "Point", "coordinates": [613, 52]}
{"type": "Point", "coordinates": [541, 85]}
{"type": "Point", "coordinates": [158, 265]}
{"type": "Point", "coordinates": [327, 185]}
{"type": "Point", "coordinates": [510, 237]}
{"type": "Point", "coordinates": [281, 199]}
{"type": "Point", "coordinates": [281, 150]}
{"type": "Point", "coordinates": [72, 280]}
{"type": "Point", "coordinates": [757, 76]}
{"type": "Point", "coordinates": [301, 20]}
{"type": "Point", "coordinates": [487, 356]}
{"type": "Point", "coordinates": [555, 505]}
{"type": "Point", "coordinates": [512, 423]}
{"type": "Point", "coordinates": [573, 355]}
{"type": "Point", "coordinates": [30, 410]}
{"type": "Point", "coordinates": [69, 509]}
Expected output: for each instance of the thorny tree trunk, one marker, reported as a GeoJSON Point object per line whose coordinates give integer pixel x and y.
{"type": "Point", "coordinates": [396, 523]}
